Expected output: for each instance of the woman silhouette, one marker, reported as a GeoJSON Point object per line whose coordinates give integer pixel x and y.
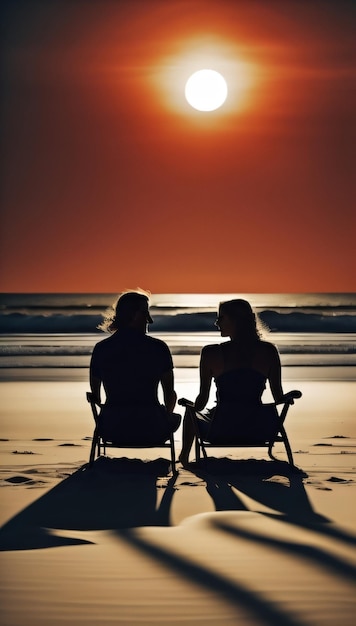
{"type": "Point", "coordinates": [240, 368]}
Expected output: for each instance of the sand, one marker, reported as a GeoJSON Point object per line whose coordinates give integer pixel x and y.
{"type": "Point", "coordinates": [242, 540]}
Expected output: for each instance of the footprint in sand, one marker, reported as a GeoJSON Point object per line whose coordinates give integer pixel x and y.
{"type": "Point", "coordinates": [43, 439]}
{"type": "Point", "coordinates": [22, 452]}
{"type": "Point", "coordinates": [191, 484]}
{"type": "Point", "coordinates": [335, 479]}
{"type": "Point", "coordinates": [18, 479]}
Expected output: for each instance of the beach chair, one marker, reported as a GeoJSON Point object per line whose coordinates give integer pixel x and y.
{"type": "Point", "coordinates": [264, 428]}
{"type": "Point", "coordinates": [99, 444]}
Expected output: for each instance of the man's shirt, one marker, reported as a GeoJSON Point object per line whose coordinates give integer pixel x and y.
{"type": "Point", "coordinates": [130, 365]}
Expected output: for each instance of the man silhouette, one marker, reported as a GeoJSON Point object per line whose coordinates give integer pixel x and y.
{"type": "Point", "coordinates": [130, 365]}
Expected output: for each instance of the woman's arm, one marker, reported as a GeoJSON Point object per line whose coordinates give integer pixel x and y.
{"type": "Point", "coordinates": [94, 377]}
{"type": "Point", "coordinates": [275, 374]}
{"type": "Point", "coordinates": [206, 376]}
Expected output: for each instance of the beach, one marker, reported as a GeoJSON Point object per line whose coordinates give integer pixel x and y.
{"type": "Point", "coordinates": [241, 539]}
{"type": "Point", "coordinates": [194, 152]}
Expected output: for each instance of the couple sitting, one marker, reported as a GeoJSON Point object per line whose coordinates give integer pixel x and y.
{"type": "Point", "coordinates": [130, 365]}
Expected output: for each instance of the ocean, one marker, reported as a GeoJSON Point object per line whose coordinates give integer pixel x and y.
{"type": "Point", "coordinates": [40, 333]}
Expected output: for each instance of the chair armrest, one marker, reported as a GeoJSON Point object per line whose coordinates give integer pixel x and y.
{"type": "Point", "coordinates": [185, 402]}
{"type": "Point", "coordinates": [289, 397]}
{"type": "Point", "coordinates": [91, 399]}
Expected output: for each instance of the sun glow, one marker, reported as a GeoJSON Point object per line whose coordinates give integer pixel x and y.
{"type": "Point", "coordinates": [206, 90]}
{"type": "Point", "coordinates": [236, 82]}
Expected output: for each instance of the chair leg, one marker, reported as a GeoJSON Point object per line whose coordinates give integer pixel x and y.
{"type": "Point", "coordinates": [198, 439]}
{"type": "Point", "coordinates": [283, 434]}
{"type": "Point", "coordinates": [203, 450]}
{"type": "Point", "coordinates": [94, 443]}
{"type": "Point", "coordinates": [270, 454]}
{"type": "Point", "coordinates": [173, 454]}
{"type": "Point", "coordinates": [197, 449]}
{"type": "Point", "coordinates": [287, 446]}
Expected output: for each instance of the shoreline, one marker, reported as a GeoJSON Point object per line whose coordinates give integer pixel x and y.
{"type": "Point", "coordinates": [80, 374]}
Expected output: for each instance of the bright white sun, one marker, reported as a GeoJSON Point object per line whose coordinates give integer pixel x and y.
{"type": "Point", "coordinates": [206, 90]}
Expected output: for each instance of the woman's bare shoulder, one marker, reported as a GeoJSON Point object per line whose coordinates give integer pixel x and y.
{"type": "Point", "coordinates": [210, 350]}
{"type": "Point", "coordinates": [268, 348]}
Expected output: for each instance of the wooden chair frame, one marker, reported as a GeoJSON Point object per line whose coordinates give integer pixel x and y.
{"type": "Point", "coordinates": [201, 444]}
{"type": "Point", "coordinates": [99, 444]}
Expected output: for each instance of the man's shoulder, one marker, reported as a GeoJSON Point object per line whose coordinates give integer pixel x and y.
{"type": "Point", "coordinates": [103, 344]}
{"type": "Point", "coordinates": [155, 342]}
{"type": "Point", "coordinates": [113, 341]}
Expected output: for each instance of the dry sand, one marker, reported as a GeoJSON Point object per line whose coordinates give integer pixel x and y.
{"type": "Point", "coordinates": [241, 541]}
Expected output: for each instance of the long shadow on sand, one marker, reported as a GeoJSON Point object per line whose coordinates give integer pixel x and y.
{"type": "Point", "coordinates": [122, 495]}
{"type": "Point", "coordinates": [274, 484]}
{"type": "Point", "coordinates": [279, 487]}
{"type": "Point", "coordinates": [113, 494]}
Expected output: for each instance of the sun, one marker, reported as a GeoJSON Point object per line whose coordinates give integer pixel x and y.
{"type": "Point", "coordinates": [206, 90]}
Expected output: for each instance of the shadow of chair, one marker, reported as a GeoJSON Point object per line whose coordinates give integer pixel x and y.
{"type": "Point", "coordinates": [273, 484]}
{"type": "Point", "coordinates": [261, 427]}
{"type": "Point", "coordinates": [276, 485]}
{"type": "Point", "coordinates": [113, 494]}
{"type": "Point", "coordinates": [100, 444]}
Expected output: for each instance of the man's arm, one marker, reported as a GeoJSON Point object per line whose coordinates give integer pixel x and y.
{"type": "Point", "coordinates": [95, 386]}
{"type": "Point", "coordinates": [169, 395]}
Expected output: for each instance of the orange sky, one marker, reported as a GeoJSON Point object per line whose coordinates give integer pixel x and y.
{"type": "Point", "coordinates": [110, 180]}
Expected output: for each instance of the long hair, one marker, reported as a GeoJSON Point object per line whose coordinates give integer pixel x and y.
{"type": "Point", "coordinates": [123, 310]}
{"type": "Point", "coordinates": [248, 326]}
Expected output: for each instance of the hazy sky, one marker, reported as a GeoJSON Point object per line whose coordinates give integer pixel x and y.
{"type": "Point", "coordinates": [110, 180]}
